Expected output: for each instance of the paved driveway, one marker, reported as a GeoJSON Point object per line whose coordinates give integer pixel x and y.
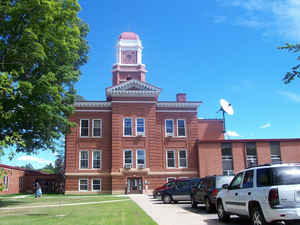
{"type": "Point", "coordinates": [179, 214]}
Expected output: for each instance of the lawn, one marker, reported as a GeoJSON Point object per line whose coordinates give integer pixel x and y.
{"type": "Point", "coordinates": [125, 212]}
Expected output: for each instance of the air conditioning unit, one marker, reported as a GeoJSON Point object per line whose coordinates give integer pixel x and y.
{"type": "Point", "coordinates": [128, 165]}
{"type": "Point", "coordinates": [140, 166]}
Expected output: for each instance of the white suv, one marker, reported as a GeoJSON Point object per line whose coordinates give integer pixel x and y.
{"type": "Point", "coordinates": [265, 194]}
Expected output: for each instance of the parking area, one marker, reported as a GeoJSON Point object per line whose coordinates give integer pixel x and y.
{"type": "Point", "coordinates": [180, 213]}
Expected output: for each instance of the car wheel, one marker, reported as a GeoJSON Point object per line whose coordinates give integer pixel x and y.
{"type": "Point", "coordinates": [257, 217]}
{"type": "Point", "coordinates": [194, 203]}
{"type": "Point", "coordinates": [223, 216]}
{"type": "Point", "coordinates": [208, 206]}
{"type": "Point", "coordinates": [167, 199]}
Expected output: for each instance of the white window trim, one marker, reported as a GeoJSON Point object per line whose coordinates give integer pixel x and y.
{"type": "Point", "coordinates": [171, 150]}
{"type": "Point", "coordinates": [79, 184]}
{"type": "Point", "coordinates": [6, 180]}
{"type": "Point", "coordinates": [124, 127]}
{"type": "Point", "coordinates": [136, 127]}
{"type": "Point", "coordinates": [124, 157]}
{"type": "Point", "coordinates": [169, 134]}
{"type": "Point", "coordinates": [88, 128]}
{"type": "Point", "coordinates": [100, 128]}
{"type": "Point", "coordinates": [136, 157]}
{"type": "Point", "coordinates": [186, 158]}
{"type": "Point", "coordinates": [100, 159]}
{"type": "Point", "coordinates": [100, 185]}
{"type": "Point", "coordinates": [80, 160]}
{"type": "Point", "coordinates": [184, 128]}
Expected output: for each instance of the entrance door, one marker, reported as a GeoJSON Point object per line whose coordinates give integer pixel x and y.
{"type": "Point", "coordinates": [134, 185]}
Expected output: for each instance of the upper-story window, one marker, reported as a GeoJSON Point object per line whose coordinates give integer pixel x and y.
{"type": "Point", "coordinates": [128, 158]}
{"type": "Point", "coordinates": [84, 128]}
{"type": "Point", "coordinates": [127, 126]}
{"type": "Point", "coordinates": [251, 154]}
{"type": "Point", "coordinates": [183, 163]}
{"type": "Point", "coordinates": [97, 128]}
{"type": "Point", "coordinates": [227, 162]}
{"type": "Point", "coordinates": [181, 128]}
{"type": "Point", "coordinates": [140, 126]}
{"type": "Point", "coordinates": [169, 127]}
{"type": "Point", "coordinates": [84, 160]}
{"type": "Point", "coordinates": [96, 159]}
{"type": "Point", "coordinates": [275, 152]}
{"type": "Point", "coordinates": [140, 158]}
{"type": "Point", "coordinates": [171, 159]}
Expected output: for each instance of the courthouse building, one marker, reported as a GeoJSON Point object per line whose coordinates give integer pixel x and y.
{"type": "Point", "coordinates": [132, 142]}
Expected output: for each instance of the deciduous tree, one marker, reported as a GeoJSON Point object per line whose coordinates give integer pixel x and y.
{"type": "Point", "coordinates": [289, 76]}
{"type": "Point", "coordinates": [42, 46]}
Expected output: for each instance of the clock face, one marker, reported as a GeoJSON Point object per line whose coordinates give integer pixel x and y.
{"type": "Point", "coordinates": [129, 57]}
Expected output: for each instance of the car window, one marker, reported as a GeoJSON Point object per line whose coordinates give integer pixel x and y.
{"type": "Point", "coordinates": [236, 182]}
{"type": "Point", "coordinates": [248, 179]}
{"type": "Point", "coordinates": [223, 180]}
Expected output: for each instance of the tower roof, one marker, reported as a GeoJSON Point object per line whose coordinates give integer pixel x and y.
{"type": "Point", "coordinates": [129, 36]}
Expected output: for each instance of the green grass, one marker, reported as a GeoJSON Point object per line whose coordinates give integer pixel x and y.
{"type": "Point", "coordinates": [115, 213]}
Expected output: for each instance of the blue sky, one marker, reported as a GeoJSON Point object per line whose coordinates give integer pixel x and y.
{"type": "Point", "coordinates": [207, 49]}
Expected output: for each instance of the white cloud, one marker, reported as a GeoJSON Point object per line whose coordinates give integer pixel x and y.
{"type": "Point", "coordinates": [280, 16]}
{"type": "Point", "coordinates": [38, 160]}
{"type": "Point", "coordinates": [232, 134]}
{"type": "Point", "coordinates": [265, 126]}
{"type": "Point", "coordinates": [290, 95]}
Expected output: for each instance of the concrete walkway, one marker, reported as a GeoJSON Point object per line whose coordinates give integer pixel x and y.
{"type": "Point", "coordinates": [173, 214]}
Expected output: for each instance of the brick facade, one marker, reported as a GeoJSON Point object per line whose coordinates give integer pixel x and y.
{"type": "Point", "coordinates": [190, 148]}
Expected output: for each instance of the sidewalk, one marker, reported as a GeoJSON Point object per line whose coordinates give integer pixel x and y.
{"type": "Point", "coordinates": [173, 214]}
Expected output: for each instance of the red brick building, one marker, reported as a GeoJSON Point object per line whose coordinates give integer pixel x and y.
{"type": "Point", "coordinates": [19, 180]}
{"type": "Point", "coordinates": [132, 142]}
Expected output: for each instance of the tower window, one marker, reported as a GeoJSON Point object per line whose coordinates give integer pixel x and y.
{"type": "Point", "coordinates": [127, 126]}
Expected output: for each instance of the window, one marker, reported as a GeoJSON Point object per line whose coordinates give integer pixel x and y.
{"type": "Point", "coordinates": [140, 158]}
{"type": "Point", "coordinates": [251, 154]}
{"type": "Point", "coordinates": [97, 128]}
{"type": "Point", "coordinates": [275, 152]}
{"type": "Point", "coordinates": [248, 179]}
{"type": "Point", "coordinates": [171, 160]}
{"type": "Point", "coordinates": [128, 159]}
{"type": "Point", "coordinates": [227, 159]}
{"type": "Point", "coordinates": [84, 128]}
{"type": "Point", "coordinates": [181, 128]}
{"type": "Point", "coordinates": [169, 179]}
{"type": "Point", "coordinates": [182, 155]}
{"type": "Point", "coordinates": [96, 185]}
{"type": "Point", "coordinates": [127, 127]}
{"type": "Point", "coordinates": [84, 160]}
{"type": "Point", "coordinates": [236, 182]}
{"type": "Point", "coordinates": [6, 183]}
{"type": "Point", "coordinates": [96, 159]}
{"type": "Point", "coordinates": [140, 126]}
{"type": "Point", "coordinates": [169, 128]}
{"type": "Point", "coordinates": [83, 185]}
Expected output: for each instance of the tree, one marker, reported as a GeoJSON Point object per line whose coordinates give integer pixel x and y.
{"type": "Point", "coordinates": [48, 169]}
{"type": "Point", "coordinates": [289, 76]}
{"type": "Point", "coordinates": [28, 166]}
{"type": "Point", "coordinates": [42, 46]}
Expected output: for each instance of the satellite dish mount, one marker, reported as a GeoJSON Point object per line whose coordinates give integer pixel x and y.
{"type": "Point", "coordinates": [226, 107]}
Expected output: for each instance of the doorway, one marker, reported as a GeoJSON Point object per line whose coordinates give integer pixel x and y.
{"type": "Point", "coordinates": [134, 185]}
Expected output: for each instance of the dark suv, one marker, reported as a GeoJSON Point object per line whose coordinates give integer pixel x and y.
{"type": "Point", "coordinates": [156, 191]}
{"type": "Point", "coordinates": [180, 191]}
{"type": "Point", "coordinates": [207, 190]}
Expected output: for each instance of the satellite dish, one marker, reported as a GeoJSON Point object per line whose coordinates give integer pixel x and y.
{"type": "Point", "coordinates": [226, 107]}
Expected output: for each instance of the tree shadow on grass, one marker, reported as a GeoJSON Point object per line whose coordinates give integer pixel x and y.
{"type": "Point", "coordinates": [7, 203]}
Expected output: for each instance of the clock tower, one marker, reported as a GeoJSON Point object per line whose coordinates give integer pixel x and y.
{"type": "Point", "coordinates": [128, 64]}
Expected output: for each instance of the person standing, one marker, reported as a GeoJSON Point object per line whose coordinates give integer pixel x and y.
{"type": "Point", "coordinates": [38, 189]}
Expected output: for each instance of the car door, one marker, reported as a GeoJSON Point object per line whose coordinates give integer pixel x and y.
{"type": "Point", "coordinates": [245, 193]}
{"type": "Point", "coordinates": [231, 195]}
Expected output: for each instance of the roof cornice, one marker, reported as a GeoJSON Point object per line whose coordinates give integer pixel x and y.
{"type": "Point", "coordinates": [178, 104]}
{"type": "Point", "coordinates": [92, 104]}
